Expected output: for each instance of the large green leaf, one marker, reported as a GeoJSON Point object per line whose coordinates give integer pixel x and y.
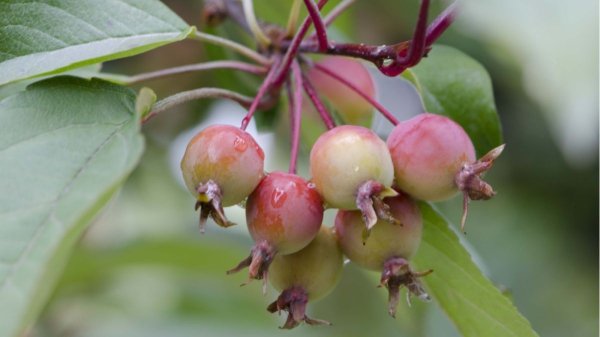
{"type": "Point", "coordinates": [66, 145]}
{"type": "Point", "coordinates": [50, 36]}
{"type": "Point", "coordinates": [472, 302]}
{"type": "Point", "coordinates": [455, 85]}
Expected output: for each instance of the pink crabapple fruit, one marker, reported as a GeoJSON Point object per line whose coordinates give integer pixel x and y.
{"type": "Point", "coordinates": [306, 276]}
{"type": "Point", "coordinates": [389, 247]}
{"type": "Point", "coordinates": [352, 169]}
{"type": "Point", "coordinates": [349, 105]}
{"type": "Point", "coordinates": [284, 214]}
{"type": "Point", "coordinates": [434, 159]}
{"type": "Point", "coordinates": [221, 166]}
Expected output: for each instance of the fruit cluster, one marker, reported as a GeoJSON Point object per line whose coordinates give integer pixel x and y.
{"type": "Point", "coordinates": [373, 184]}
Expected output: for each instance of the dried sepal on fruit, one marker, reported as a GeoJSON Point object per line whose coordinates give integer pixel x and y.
{"type": "Point", "coordinates": [352, 169]}
{"type": "Point", "coordinates": [284, 215]}
{"type": "Point", "coordinates": [389, 247]}
{"type": "Point", "coordinates": [434, 159]}
{"type": "Point", "coordinates": [221, 166]}
{"type": "Point", "coordinates": [306, 276]}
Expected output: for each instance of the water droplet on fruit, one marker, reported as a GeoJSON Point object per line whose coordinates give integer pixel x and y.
{"type": "Point", "coordinates": [278, 197]}
{"type": "Point", "coordinates": [311, 185]}
{"type": "Point", "coordinates": [240, 145]}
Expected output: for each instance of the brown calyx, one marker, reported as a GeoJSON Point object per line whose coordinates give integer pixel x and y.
{"type": "Point", "coordinates": [294, 301]}
{"type": "Point", "coordinates": [397, 274]}
{"type": "Point", "coordinates": [258, 263]}
{"type": "Point", "coordinates": [369, 200]}
{"type": "Point", "coordinates": [469, 181]}
{"type": "Point", "coordinates": [209, 202]}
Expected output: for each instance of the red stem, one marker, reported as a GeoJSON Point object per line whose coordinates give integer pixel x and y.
{"type": "Point", "coordinates": [379, 54]}
{"type": "Point", "coordinates": [416, 49]}
{"type": "Point", "coordinates": [441, 23]}
{"type": "Point", "coordinates": [320, 29]}
{"type": "Point", "coordinates": [296, 116]}
{"type": "Point", "coordinates": [314, 97]}
{"type": "Point", "coordinates": [387, 114]}
{"type": "Point", "coordinates": [292, 50]}
{"type": "Point", "coordinates": [266, 85]}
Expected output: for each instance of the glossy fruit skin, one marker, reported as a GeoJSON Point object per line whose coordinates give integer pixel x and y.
{"type": "Point", "coordinates": [228, 156]}
{"type": "Point", "coordinates": [317, 268]}
{"type": "Point", "coordinates": [285, 211]}
{"type": "Point", "coordinates": [428, 151]}
{"type": "Point", "coordinates": [386, 240]}
{"type": "Point", "coordinates": [345, 157]}
{"type": "Point", "coordinates": [350, 106]}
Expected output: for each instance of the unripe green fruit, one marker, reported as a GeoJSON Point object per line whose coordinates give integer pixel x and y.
{"type": "Point", "coordinates": [304, 276]}
{"type": "Point", "coordinates": [386, 240]}
{"type": "Point", "coordinates": [316, 268]}
{"type": "Point", "coordinates": [389, 248]}
{"type": "Point", "coordinates": [345, 157]}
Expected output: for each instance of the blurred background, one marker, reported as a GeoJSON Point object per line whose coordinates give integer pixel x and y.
{"type": "Point", "coordinates": [142, 269]}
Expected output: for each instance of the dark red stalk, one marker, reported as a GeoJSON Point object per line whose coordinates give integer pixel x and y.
{"type": "Point", "coordinates": [296, 116]}
{"type": "Point", "coordinates": [264, 87]}
{"type": "Point", "coordinates": [320, 29]}
{"type": "Point", "coordinates": [379, 55]}
{"type": "Point", "coordinates": [441, 23]}
{"type": "Point", "coordinates": [318, 104]}
{"type": "Point", "coordinates": [387, 114]}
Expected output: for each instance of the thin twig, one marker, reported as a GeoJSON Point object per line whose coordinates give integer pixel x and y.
{"type": "Point", "coordinates": [291, 52]}
{"type": "Point", "coordinates": [441, 23]}
{"type": "Point", "coordinates": [236, 65]}
{"type": "Point", "coordinates": [262, 90]}
{"type": "Point", "coordinates": [219, 41]}
{"type": "Point", "coordinates": [293, 18]}
{"type": "Point", "coordinates": [386, 113]}
{"type": "Point", "coordinates": [296, 117]}
{"type": "Point", "coordinates": [255, 28]}
{"type": "Point", "coordinates": [320, 29]}
{"type": "Point", "coordinates": [190, 95]}
{"type": "Point", "coordinates": [318, 104]}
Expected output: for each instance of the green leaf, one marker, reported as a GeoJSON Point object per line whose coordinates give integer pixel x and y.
{"type": "Point", "coordinates": [66, 145]}
{"type": "Point", "coordinates": [472, 302]}
{"type": "Point", "coordinates": [41, 37]}
{"type": "Point", "coordinates": [92, 70]}
{"type": "Point", "coordinates": [455, 85]}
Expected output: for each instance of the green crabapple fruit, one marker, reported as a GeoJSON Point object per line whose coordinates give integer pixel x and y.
{"type": "Point", "coordinates": [352, 169]}
{"type": "Point", "coordinates": [349, 105]}
{"type": "Point", "coordinates": [221, 166]}
{"type": "Point", "coordinates": [284, 214]}
{"type": "Point", "coordinates": [306, 276]}
{"type": "Point", "coordinates": [389, 247]}
{"type": "Point", "coordinates": [434, 159]}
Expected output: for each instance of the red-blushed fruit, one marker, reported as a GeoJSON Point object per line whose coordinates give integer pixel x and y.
{"type": "Point", "coordinates": [352, 169]}
{"type": "Point", "coordinates": [434, 159]}
{"type": "Point", "coordinates": [221, 166]}
{"type": "Point", "coordinates": [389, 247]}
{"type": "Point", "coordinates": [306, 276]}
{"type": "Point", "coordinates": [350, 106]}
{"type": "Point", "coordinates": [284, 214]}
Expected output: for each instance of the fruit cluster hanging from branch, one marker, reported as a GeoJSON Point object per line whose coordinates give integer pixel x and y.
{"type": "Point", "coordinates": [374, 184]}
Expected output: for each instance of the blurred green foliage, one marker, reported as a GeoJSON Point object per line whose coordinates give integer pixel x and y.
{"type": "Point", "coordinates": [143, 270]}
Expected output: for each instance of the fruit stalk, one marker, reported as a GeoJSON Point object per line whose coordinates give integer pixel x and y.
{"type": "Point", "coordinates": [262, 90]}
{"type": "Point", "coordinates": [296, 116]}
